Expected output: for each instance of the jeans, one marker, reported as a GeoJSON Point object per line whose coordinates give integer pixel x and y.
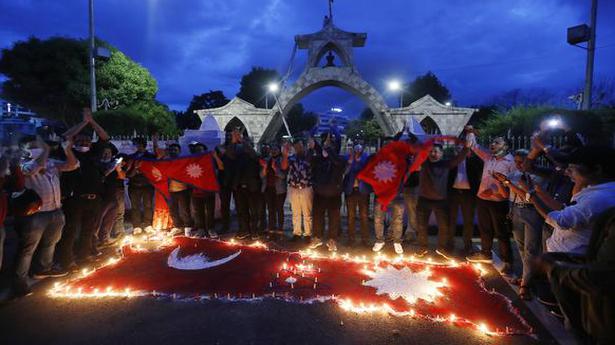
{"type": "Point", "coordinates": [249, 205]}
{"type": "Point", "coordinates": [492, 223]}
{"type": "Point", "coordinates": [301, 201]}
{"type": "Point", "coordinates": [527, 231]}
{"type": "Point", "coordinates": [225, 209]}
{"type": "Point", "coordinates": [466, 200]}
{"type": "Point", "coordinates": [274, 203]}
{"type": "Point", "coordinates": [118, 224]}
{"type": "Point", "coordinates": [331, 205]}
{"type": "Point", "coordinates": [180, 209]}
{"type": "Point", "coordinates": [411, 199]}
{"type": "Point", "coordinates": [87, 218]}
{"type": "Point", "coordinates": [109, 212]}
{"type": "Point", "coordinates": [397, 210]}
{"type": "Point", "coordinates": [423, 211]}
{"type": "Point", "coordinates": [202, 211]}
{"type": "Point", "coordinates": [358, 200]}
{"type": "Point", "coordinates": [141, 201]}
{"type": "Point", "coordinates": [38, 233]}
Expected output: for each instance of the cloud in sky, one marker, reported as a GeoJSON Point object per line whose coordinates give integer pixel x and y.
{"type": "Point", "coordinates": [477, 48]}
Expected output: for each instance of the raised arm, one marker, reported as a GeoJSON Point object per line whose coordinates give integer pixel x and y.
{"type": "Point", "coordinates": [71, 162]}
{"type": "Point", "coordinates": [102, 134]}
{"type": "Point", "coordinates": [459, 157]}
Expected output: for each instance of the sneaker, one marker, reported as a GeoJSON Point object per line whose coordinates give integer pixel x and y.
{"type": "Point", "coordinates": [242, 236]}
{"type": "Point", "coordinates": [549, 302]}
{"type": "Point", "coordinates": [317, 242]}
{"type": "Point", "coordinates": [295, 238]}
{"type": "Point", "coordinates": [255, 237]}
{"type": "Point", "coordinates": [176, 231]}
{"type": "Point", "coordinates": [200, 233]}
{"type": "Point", "coordinates": [212, 234]}
{"type": "Point", "coordinates": [332, 246]}
{"type": "Point", "coordinates": [137, 231]}
{"type": "Point", "coordinates": [480, 257]}
{"type": "Point", "coordinates": [307, 239]}
{"type": "Point", "coordinates": [398, 248]}
{"type": "Point", "coordinates": [378, 246]}
{"type": "Point", "coordinates": [149, 229]}
{"type": "Point", "coordinates": [188, 231]}
{"type": "Point", "coordinates": [52, 273]}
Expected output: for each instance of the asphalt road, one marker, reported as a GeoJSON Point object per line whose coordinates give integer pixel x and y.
{"type": "Point", "coordinates": [38, 319]}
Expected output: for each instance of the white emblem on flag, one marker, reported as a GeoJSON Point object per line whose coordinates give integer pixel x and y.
{"type": "Point", "coordinates": [157, 174]}
{"type": "Point", "coordinates": [404, 283]}
{"type": "Point", "coordinates": [385, 171]}
{"type": "Point", "coordinates": [194, 170]}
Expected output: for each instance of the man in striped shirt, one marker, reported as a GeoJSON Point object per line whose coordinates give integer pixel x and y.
{"type": "Point", "coordinates": [41, 231]}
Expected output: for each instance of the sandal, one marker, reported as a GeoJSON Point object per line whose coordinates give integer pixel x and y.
{"type": "Point", "coordinates": [525, 293]}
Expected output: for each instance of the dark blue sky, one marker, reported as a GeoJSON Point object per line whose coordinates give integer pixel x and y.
{"type": "Point", "coordinates": [478, 48]}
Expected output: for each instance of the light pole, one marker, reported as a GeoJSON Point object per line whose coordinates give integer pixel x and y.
{"type": "Point", "coordinates": [273, 89]}
{"type": "Point", "coordinates": [92, 58]}
{"type": "Point", "coordinates": [589, 68]}
{"type": "Point", "coordinates": [395, 85]}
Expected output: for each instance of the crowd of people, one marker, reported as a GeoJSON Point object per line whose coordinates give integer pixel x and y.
{"type": "Point", "coordinates": [68, 201]}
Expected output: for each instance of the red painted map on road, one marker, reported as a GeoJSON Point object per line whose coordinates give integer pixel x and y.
{"type": "Point", "coordinates": [208, 269]}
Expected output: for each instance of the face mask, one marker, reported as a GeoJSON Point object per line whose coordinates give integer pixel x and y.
{"type": "Point", "coordinates": [82, 149]}
{"type": "Point", "coordinates": [106, 160]}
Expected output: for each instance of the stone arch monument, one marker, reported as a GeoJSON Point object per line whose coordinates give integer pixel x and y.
{"type": "Point", "coordinates": [263, 124]}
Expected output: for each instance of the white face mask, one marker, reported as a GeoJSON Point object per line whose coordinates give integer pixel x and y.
{"type": "Point", "coordinates": [81, 149]}
{"type": "Point", "coordinates": [105, 160]}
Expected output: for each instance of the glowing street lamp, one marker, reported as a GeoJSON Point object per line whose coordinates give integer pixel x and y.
{"type": "Point", "coordinates": [395, 85]}
{"type": "Point", "coordinates": [448, 104]}
{"type": "Point", "coordinates": [273, 88]}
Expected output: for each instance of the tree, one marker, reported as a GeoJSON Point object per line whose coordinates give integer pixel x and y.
{"type": "Point", "coordinates": [367, 130]}
{"type": "Point", "coordinates": [254, 85]}
{"type": "Point", "coordinates": [596, 125]}
{"type": "Point", "coordinates": [366, 114]}
{"type": "Point", "coordinates": [189, 119]}
{"type": "Point", "coordinates": [51, 77]}
{"type": "Point", "coordinates": [427, 84]}
{"type": "Point", "coordinates": [142, 117]}
{"type": "Point", "coordinates": [299, 120]}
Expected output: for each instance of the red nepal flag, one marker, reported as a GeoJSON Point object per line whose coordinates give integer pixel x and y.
{"type": "Point", "coordinates": [386, 169]}
{"type": "Point", "coordinates": [209, 269]}
{"type": "Point", "coordinates": [197, 171]}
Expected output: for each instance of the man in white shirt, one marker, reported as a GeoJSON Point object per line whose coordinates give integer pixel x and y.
{"type": "Point", "coordinates": [593, 173]}
{"type": "Point", "coordinates": [492, 203]}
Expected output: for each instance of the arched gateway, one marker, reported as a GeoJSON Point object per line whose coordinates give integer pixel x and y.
{"type": "Point", "coordinates": [263, 124]}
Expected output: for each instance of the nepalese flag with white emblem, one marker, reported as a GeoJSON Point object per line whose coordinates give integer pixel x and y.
{"type": "Point", "coordinates": [196, 170]}
{"type": "Point", "coordinates": [389, 167]}
{"type": "Point", "coordinates": [203, 268]}
{"type": "Point", "coordinates": [386, 169]}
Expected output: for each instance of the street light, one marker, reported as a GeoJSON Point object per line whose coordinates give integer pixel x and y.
{"type": "Point", "coordinates": [273, 88]}
{"type": "Point", "coordinates": [395, 85]}
{"type": "Point", "coordinates": [448, 104]}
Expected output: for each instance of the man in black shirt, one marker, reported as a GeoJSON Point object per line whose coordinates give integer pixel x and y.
{"type": "Point", "coordinates": [84, 200]}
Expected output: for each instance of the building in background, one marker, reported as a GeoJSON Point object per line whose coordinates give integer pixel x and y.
{"type": "Point", "coordinates": [17, 121]}
{"type": "Point", "coordinates": [336, 117]}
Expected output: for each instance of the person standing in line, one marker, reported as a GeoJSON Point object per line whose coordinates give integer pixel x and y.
{"type": "Point", "coordinates": [328, 174]}
{"type": "Point", "coordinates": [464, 181]}
{"type": "Point", "coordinates": [140, 190]}
{"type": "Point", "coordinates": [300, 192]}
{"type": "Point", "coordinates": [180, 199]}
{"type": "Point", "coordinates": [433, 188]}
{"type": "Point", "coordinates": [274, 188]}
{"type": "Point", "coordinates": [357, 195]}
{"type": "Point", "coordinates": [202, 202]}
{"type": "Point", "coordinates": [492, 203]}
{"type": "Point", "coordinates": [41, 231]}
